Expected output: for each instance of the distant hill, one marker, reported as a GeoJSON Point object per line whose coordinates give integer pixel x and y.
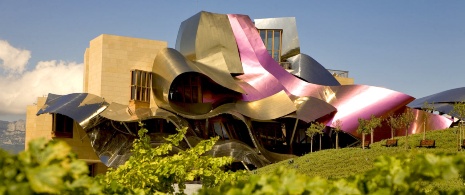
{"type": "Point", "coordinates": [12, 135]}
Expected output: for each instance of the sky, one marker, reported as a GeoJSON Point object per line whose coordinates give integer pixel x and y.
{"type": "Point", "coordinates": [416, 47]}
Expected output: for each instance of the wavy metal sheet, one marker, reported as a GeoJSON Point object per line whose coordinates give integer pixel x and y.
{"type": "Point", "coordinates": [311, 71]}
{"type": "Point", "coordinates": [169, 64]}
{"type": "Point", "coordinates": [207, 38]}
{"type": "Point", "coordinates": [81, 107]}
{"type": "Point", "coordinates": [268, 108]}
{"type": "Point", "coordinates": [351, 101]}
{"type": "Point", "coordinates": [239, 151]}
{"type": "Point", "coordinates": [307, 107]}
{"type": "Point", "coordinates": [442, 101]}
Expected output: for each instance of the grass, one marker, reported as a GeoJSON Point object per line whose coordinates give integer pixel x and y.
{"type": "Point", "coordinates": [342, 163]}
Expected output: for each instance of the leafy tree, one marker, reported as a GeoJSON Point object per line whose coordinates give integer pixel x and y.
{"type": "Point", "coordinates": [363, 128]}
{"type": "Point", "coordinates": [459, 111]}
{"type": "Point", "coordinates": [394, 123]}
{"type": "Point", "coordinates": [337, 128]}
{"type": "Point", "coordinates": [373, 123]}
{"type": "Point", "coordinates": [315, 128]}
{"type": "Point", "coordinates": [406, 120]}
{"type": "Point", "coordinates": [426, 116]}
{"type": "Point", "coordinates": [151, 170]}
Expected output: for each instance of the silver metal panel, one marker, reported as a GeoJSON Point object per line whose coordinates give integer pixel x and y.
{"type": "Point", "coordinates": [81, 107]}
{"type": "Point", "coordinates": [311, 71]}
{"type": "Point", "coordinates": [448, 96]}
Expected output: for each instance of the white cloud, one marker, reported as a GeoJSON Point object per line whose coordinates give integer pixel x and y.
{"type": "Point", "coordinates": [13, 60]}
{"type": "Point", "coordinates": [22, 89]}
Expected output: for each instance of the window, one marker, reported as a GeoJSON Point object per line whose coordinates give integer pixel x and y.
{"type": "Point", "coordinates": [141, 84]}
{"type": "Point", "coordinates": [62, 126]}
{"type": "Point", "coordinates": [188, 89]}
{"type": "Point", "coordinates": [272, 38]}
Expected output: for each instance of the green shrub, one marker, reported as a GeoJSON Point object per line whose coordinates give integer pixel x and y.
{"type": "Point", "coordinates": [390, 175]}
{"type": "Point", "coordinates": [150, 170]}
{"type": "Point", "coordinates": [48, 167]}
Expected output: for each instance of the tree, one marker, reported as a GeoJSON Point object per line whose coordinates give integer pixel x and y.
{"type": "Point", "coordinates": [315, 128]}
{"type": "Point", "coordinates": [459, 111]}
{"type": "Point", "coordinates": [406, 120]}
{"type": "Point", "coordinates": [393, 122]}
{"type": "Point", "coordinates": [426, 115]}
{"type": "Point", "coordinates": [337, 128]}
{"type": "Point", "coordinates": [152, 170]}
{"type": "Point", "coordinates": [373, 123]}
{"type": "Point", "coordinates": [363, 128]}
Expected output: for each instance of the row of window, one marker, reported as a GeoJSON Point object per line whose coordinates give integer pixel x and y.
{"type": "Point", "coordinates": [141, 84]}
{"type": "Point", "coordinates": [272, 38]}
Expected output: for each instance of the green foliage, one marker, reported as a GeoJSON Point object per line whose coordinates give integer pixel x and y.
{"type": "Point", "coordinates": [459, 110]}
{"type": "Point", "coordinates": [363, 126]}
{"type": "Point", "coordinates": [151, 170]}
{"type": "Point", "coordinates": [337, 128]}
{"type": "Point", "coordinates": [389, 175]}
{"type": "Point", "coordinates": [426, 116]}
{"type": "Point", "coordinates": [406, 120]}
{"type": "Point", "coordinates": [315, 128]}
{"type": "Point", "coordinates": [345, 162]}
{"type": "Point", "coordinates": [394, 122]}
{"type": "Point", "coordinates": [48, 167]}
{"type": "Point", "coordinates": [374, 122]}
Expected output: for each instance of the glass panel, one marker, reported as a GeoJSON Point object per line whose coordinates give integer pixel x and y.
{"type": "Point", "coordinates": [149, 80]}
{"type": "Point", "coordinates": [188, 95]}
{"type": "Point", "coordinates": [269, 39]}
{"type": "Point", "coordinates": [277, 38]}
{"type": "Point", "coordinates": [195, 94]}
{"type": "Point", "coordinates": [133, 81]}
{"type": "Point", "coordinates": [142, 97]}
{"type": "Point", "coordinates": [220, 131]}
{"type": "Point", "coordinates": [142, 75]}
{"type": "Point", "coordinates": [147, 98]}
{"type": "Point", "coordinates": [138, 78]}
{"type": "Point", "coordinates": [133, 92]}
{"type": "Point", "coordinates": [138, 92]}
{"type": "Point", "coordinates": [263, 35]}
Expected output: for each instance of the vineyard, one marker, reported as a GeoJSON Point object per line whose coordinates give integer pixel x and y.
{"type": "Point", "coordinates": [342, 163]}
{"type": "Point", "coordinates": [51, 168]}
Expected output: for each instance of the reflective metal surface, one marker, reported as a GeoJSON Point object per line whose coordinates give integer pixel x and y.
{"type": "Point", "coordinates": [351, 101]}
{"type": "Point", "coordinates": [442, 101]}
{"type": "Point", "coordinates": [81, 107]}
{"type": "Point", "coordinates": [311, 71]}
{"type": "Point", "coordinates": [240, 83]}
{"type": "Point", "coordinates": [267, 108]}
{"type": "Point", "coordinates": [206, 38]}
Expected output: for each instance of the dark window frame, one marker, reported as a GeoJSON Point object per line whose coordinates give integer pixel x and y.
{"type": "Point", "coordinates": [63, 126]}
{"type": "Point", "coordinates": [269, 34]}
{"type": "Point", "coordinates": [141, 85]}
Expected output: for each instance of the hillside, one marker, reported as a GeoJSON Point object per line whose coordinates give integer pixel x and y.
{"type": "Point", "coordinates": [12, 135]}
{"type": "Point", "coordinates": [333, 164]}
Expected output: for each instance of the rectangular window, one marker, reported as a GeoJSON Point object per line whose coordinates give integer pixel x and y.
{"type": "Point", "coordinates": [272, 38]}
{"type": "Point", "coordinates": [141, 84]}
{"type": "Point", "coordinates": [62, 126]}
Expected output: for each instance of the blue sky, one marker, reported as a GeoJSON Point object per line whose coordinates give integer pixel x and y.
{"type": "Point", "coordinates": [415, 47]}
